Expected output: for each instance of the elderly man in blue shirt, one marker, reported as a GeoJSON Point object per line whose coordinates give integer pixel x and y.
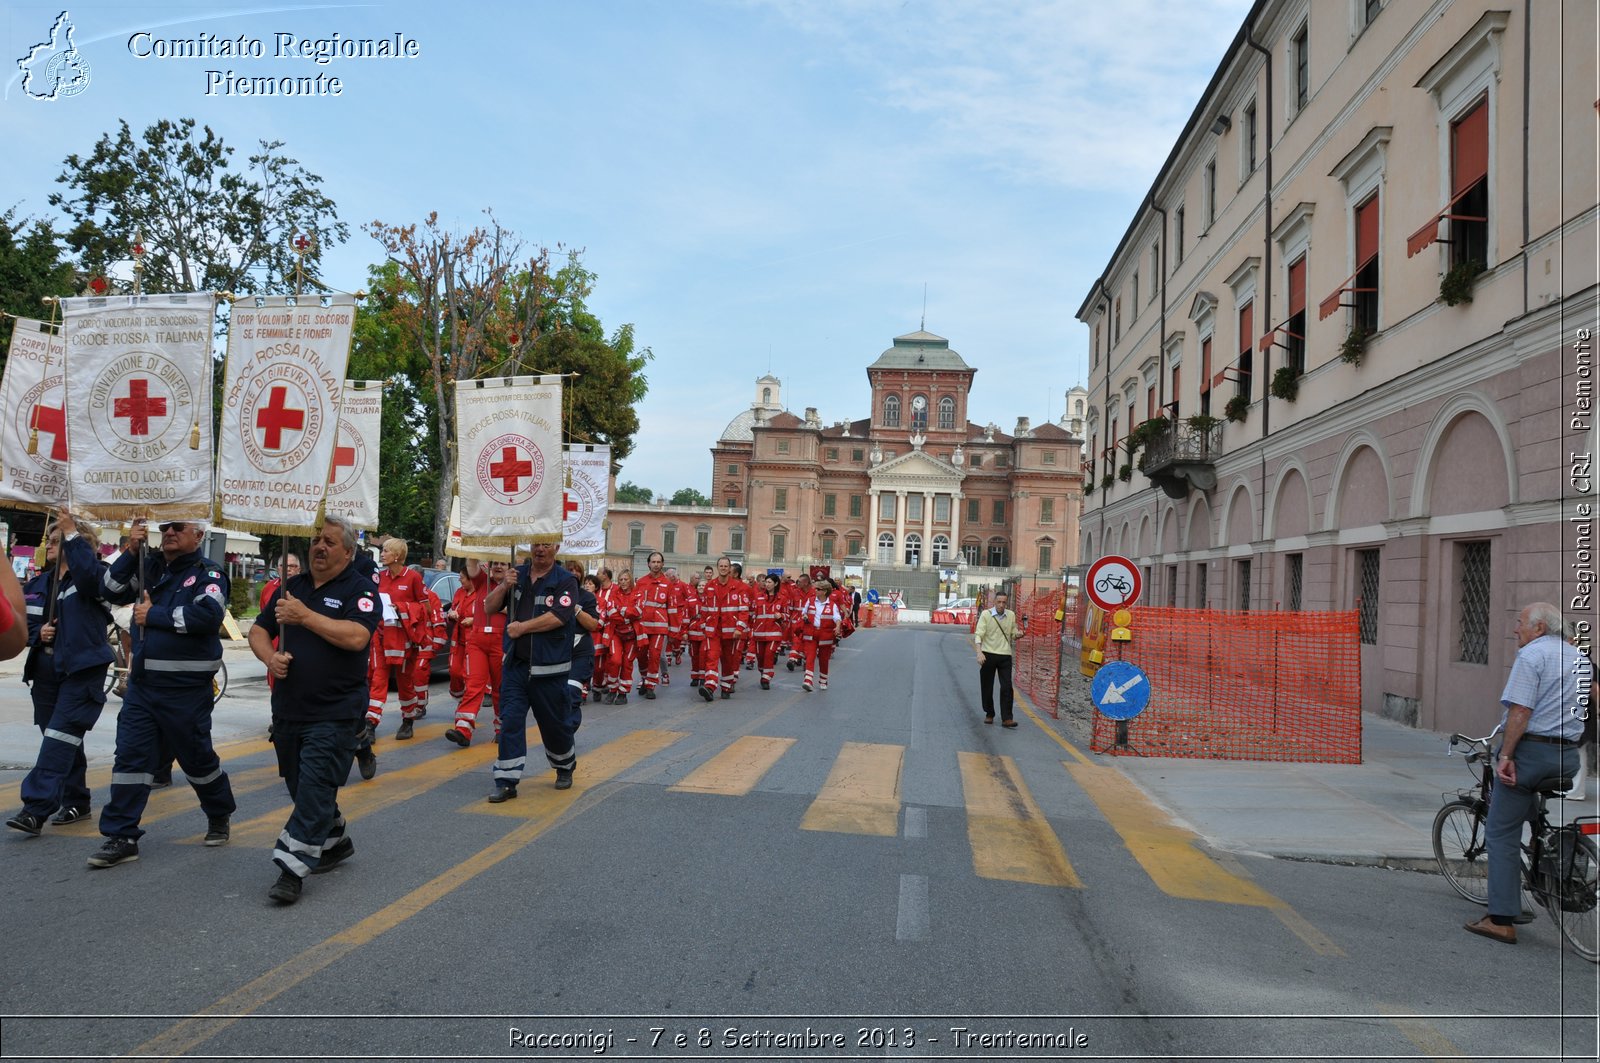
{"type": "Point", "coordinates": [1545, 702]}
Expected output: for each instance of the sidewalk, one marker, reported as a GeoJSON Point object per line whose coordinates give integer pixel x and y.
{"type": "Point", "coordinates": [1376, 813]}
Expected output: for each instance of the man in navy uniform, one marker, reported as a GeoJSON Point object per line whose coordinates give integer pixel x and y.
{"type": "Point", "coordinates": [176, 652]}
{"type": "Point", "coordinates": [544, 602]}
{"type": "Point", "coordinates": [323, 623]}
{"type": "Point", "coordinates": [67, 666]}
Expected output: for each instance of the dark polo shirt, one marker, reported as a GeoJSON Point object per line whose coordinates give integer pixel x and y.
{"type": "Point", "coordinates": [324, 681]}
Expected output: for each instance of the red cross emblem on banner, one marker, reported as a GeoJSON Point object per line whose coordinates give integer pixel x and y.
{"type": "Point", "coordinates": [343, 458]}
{"type": "Point", "coordinates": [52, 420]}
{"type": "Point", "coordinates": [138, 406]}
{"type": "Point", "coordinates": [275, 416]}
{"type": "Point", "coordinates": [569, 505]}
{"type": "Point", "coordinates": [510, 469]}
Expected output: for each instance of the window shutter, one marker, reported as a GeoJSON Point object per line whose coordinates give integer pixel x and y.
{"type": "Point", "coordinates": [1367, 232]}
{"type": "Point", "coordinates": [1297, 286]}
{"type": "Point", "coordinates": [1469, 149]}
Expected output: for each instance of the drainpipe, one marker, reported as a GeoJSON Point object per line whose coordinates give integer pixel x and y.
{"type": "Point", "coordinates": [1527, 117]}
{"type": "Point", "coordinates": [1105, 407]}
{"type": "Point", "coordinates": [1161, 351]}
{"type": "Point", "coordinates": [1266, 243]}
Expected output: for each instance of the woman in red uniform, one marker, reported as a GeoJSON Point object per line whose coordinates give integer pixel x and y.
{"type": "Point", "coordinates": [822, 625]}
{"type": "Point", "coordinates": [768, 619]}
{"type": "Point", "coordinates": [404, 628]}
{"type": "Point", "coordinates": [482, 634]}
{"type": "Point", "coordinates": [619, 625]}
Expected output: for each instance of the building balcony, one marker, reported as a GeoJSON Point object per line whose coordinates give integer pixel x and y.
{"type": "Point", "coordinates": [1184, 457]}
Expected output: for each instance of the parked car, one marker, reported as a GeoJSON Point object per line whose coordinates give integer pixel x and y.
{"type": "Point", "coordinates": [445, 585]}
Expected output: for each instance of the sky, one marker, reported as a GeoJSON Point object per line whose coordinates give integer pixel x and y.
{"type": "Point", "coordinates": [759, 185]}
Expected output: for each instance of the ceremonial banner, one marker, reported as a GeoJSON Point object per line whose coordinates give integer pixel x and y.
{"type": "Point", "coordinates": [33, 402]}
{"type": "Point", "coordinates": [280, 403]}
{"type": "Point", "coordinates": [139, 405]}
{"type": "Point", "coordinates": [454, 548]}
{"type": "Point", "coordinates": [353, 477]}
{"type": "Point", "coordinates": [586, 503]}
{"type": "Point", "coordinates": [508, 460]}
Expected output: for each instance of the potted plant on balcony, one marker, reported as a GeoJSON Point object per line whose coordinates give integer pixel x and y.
{"type": "Point", "coordinates": [1354, 346]}
{"type": "Point", "coordinates": [1126, 472]}
{"type": "Point", "coordinates": [1285, 383]}
{"type": "Point", "coordinates": [1456, 285]}
{"type": "Point", "coordinates": [1237, 409]}
{"type": "Point", "coordinates": [1107, 480]}
{"type": "Point", "coordinates": [1204, 422]}
{"type": "Point", "coordinates": [1088, 488]}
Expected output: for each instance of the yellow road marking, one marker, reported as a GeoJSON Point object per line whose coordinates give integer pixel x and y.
{"type": "Point", "coordinates": [862, 794]}
{"type": "Point", "coordinates": [389, 788]}
{"type": "Point", "coordinates": [1420, 1033]}
{"type": "Point", "coordinates": [1165, 851]}
{"type": "Point", "coordinates": [736, 770]}
{"type": "Point", "coordinates": [593, 769]}
{"type": "Point", "coordinates": [100, 778]}
{"type": "Point", "coordinates": [599, 766]}
{"type": "Point", "coordinates": [1011, 838]}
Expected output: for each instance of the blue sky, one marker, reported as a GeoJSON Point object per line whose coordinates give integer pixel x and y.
{"type": "Point", "coordinates": [758, 185]}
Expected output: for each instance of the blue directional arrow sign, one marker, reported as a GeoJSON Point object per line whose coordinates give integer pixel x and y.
{"type": "Point", "coordinates": [872, 596]}
{"type": "Point", "coordinates": [1120, 690]}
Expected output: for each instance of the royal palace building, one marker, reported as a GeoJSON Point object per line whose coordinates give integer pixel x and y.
{"type": "Point", "coordinates": [1341, 358]}
{"type": "Point", "coordinates": [909, 494]}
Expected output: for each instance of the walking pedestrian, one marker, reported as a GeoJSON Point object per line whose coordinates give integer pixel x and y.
{"type": "Point", "coordinates": [996, 641]}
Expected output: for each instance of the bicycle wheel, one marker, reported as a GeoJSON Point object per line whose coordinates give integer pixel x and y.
{"type": "Point", "coordinates": [1572, 903]}
{"type": "Point", "coordinates": [1462, 852]}
{"type": "Point", "coordinates": [219, 683]}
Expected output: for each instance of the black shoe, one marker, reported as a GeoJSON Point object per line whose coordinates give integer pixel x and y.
{"type": "Point", "coordinates": [334, 855]}
{"type": "Point", "coordinates": [27, 823]}
{"type": "Point", "coordinates": [695, 681]}
{"type": "Point", "coordinates": [749, 666]}
{"type": "Point", "coordinates": [649, 693]}
{"type": "Point", "coordinates": [69, 815]}
{"type": "Point", "coordinates": [458, 736]}
{"type": "Point", "coordinates": [564, 778]}
{"type": "Point", "coordinates": [287, 889]}
{"type": "Point", "coordinates": [421, 713]}
{"type": "Point", "coordinates": [405, 731]}
{"type": "Point", "coordinates": [765, 685]}
{"type": "Point", "coordinates": [605, 697]}
{"type": "Point", "coordinates": [726, 694]}
{"type": "Point", "coordinates": [502, 793]}
{"type": "Point", "coordinates": [789, 664]}
{"type": "Point", "coordinates": [116, 850]}
{"type": "Point", "coordinates": [621, 699]}
{"type": "Point", "coordinates": [216, 830]}
{"type": "Point", "coordinates": [161, 781]}
{"type": "Point", "coordinates": [367, 761]}
{"type": "Point", "coordinates": [705, 692]}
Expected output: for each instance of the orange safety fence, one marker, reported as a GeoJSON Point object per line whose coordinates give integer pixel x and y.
{"type": "Point", "coordinates": [881, 615]}
{"type": "Point", "coordinates": [1280, 686]}
{"type": "Point", "coordinates": [1036, 668]}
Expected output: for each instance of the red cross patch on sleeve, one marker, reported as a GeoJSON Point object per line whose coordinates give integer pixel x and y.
{"type": "Point", "coordinates": [566, 599]}
{"type": "Point", "coordinates": [364, 604]}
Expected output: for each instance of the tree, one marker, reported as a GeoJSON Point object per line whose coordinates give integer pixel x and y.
{"type": "Point", "coordinates": [475, 305]}
{"type": "Point", "coordinates": [207, 225]}
{"type": "Point", "coordinates": [688, 496]}
{"type": "Point", "coordinates": [633, 493]}
{"type": "Point", "coordinates": [31, 267]}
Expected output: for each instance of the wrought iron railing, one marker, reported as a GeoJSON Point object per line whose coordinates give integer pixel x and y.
{"type": "Point", "coordinates": [1183, 443]}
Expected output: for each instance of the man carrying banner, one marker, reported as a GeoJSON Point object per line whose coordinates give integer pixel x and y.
{"type": "Point", "coordinates": [544, 602]}
{"type": "Point", "coordinates": [314, 637]}
{"type": "Point", "coordinates": [175, 654]}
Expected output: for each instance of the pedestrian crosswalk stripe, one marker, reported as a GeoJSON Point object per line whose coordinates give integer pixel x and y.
{"type": "Point", "coordinates": [862, 794]}
{"type": "Point", "coordinates": [1166, 851]}
{"type": "Point", "coordinates": [1010, 837]}
{"type": "Point", "coordinates": [736, 770]}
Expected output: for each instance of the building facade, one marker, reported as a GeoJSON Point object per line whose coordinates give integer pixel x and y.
{"type": "Point", "coordinates": [1359, 298]}
{"type": "Point", "coordinates": [907, 494]}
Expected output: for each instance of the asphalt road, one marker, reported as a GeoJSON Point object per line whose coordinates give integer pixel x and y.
{"type": "Point", "coordinates": [868, 872]}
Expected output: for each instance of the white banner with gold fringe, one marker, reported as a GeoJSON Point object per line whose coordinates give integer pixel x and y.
{"type": "Point", "coordinates": [587, 500]}
{"type": "Point", "coordinates": [33, 444]}
{"type": "Point", "coordinates": [353, 476]}
{"type": "Point", "coordinates": [280, 404]}
{"type": "Point", "coordinates": [453, 546]}
{"type": "Point", "coordinates": [508, 460]}
{"type": "Point", "coordinates": [139, 405]}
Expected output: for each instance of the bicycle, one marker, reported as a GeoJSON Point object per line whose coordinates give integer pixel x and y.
{"type": "Point", "coordinates": [1560, 865]}
{"type": "Point", "coordinates": [117, 674]}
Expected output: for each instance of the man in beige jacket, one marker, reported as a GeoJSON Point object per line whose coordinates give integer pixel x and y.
{"type": "Point", "coordinates": [996, 641]}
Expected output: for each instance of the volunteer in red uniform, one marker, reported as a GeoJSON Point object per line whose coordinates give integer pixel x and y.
{"type": "Point", "coordinates": [654, 597]}
{"type": "Point", "coordinates": [822, 625]}
{"type": "Point", "coordinates": [482, 634]}
{"type": "Point", "coordinates": [619, 623]}
{"type": "Point", "coordinates": [680, 591]}
{"type": "Point", "coordinates": [799, 597]}
{"type": "Point", "coordinates": [767, 624]}
{"type": "Point", "coordinates": [435, 642]}
{"type": "Point", "coordinates": [602, 637]}
{"type": "Point", "coordinates": [725, 602]}
{"type": "Point", "coordinates": [404, 628]}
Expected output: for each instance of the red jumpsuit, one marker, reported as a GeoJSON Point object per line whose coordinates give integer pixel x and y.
{"type": "Point", "coordinates": [821, 626]}
{"type": "Point", "coordinates": [401, 638]}
{"type": "Point", "coordinates": [435, 642]}
{"type": "Point", "coordinates": [795, 598]}
{"type": "Point", "coordinates": [654, 597]}
{"type": "Point", "coordinates": [483, 634]}
{"type": "Point", "coordinates": [726, 606]}
{"type": "Point", "coordinates": [768, 620]}
{"type": "Point", "coordinates": [619, 620]}
{"type": "Point", "coordinates": [681, 592]}
{"type": "Point", "coordinates": [694, 633]}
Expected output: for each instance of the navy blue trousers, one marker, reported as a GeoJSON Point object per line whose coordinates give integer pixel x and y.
{"type": "Point", "coordinates": [577, 685]}
{"type": "Point", "coordinates": [546, 697]}
{"type": "Point", "coordinates": [180, 718]}
{"type": "Point", "coordinates": [314, 760]}
{"type": "Point", "coordinates": [69, 708]}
